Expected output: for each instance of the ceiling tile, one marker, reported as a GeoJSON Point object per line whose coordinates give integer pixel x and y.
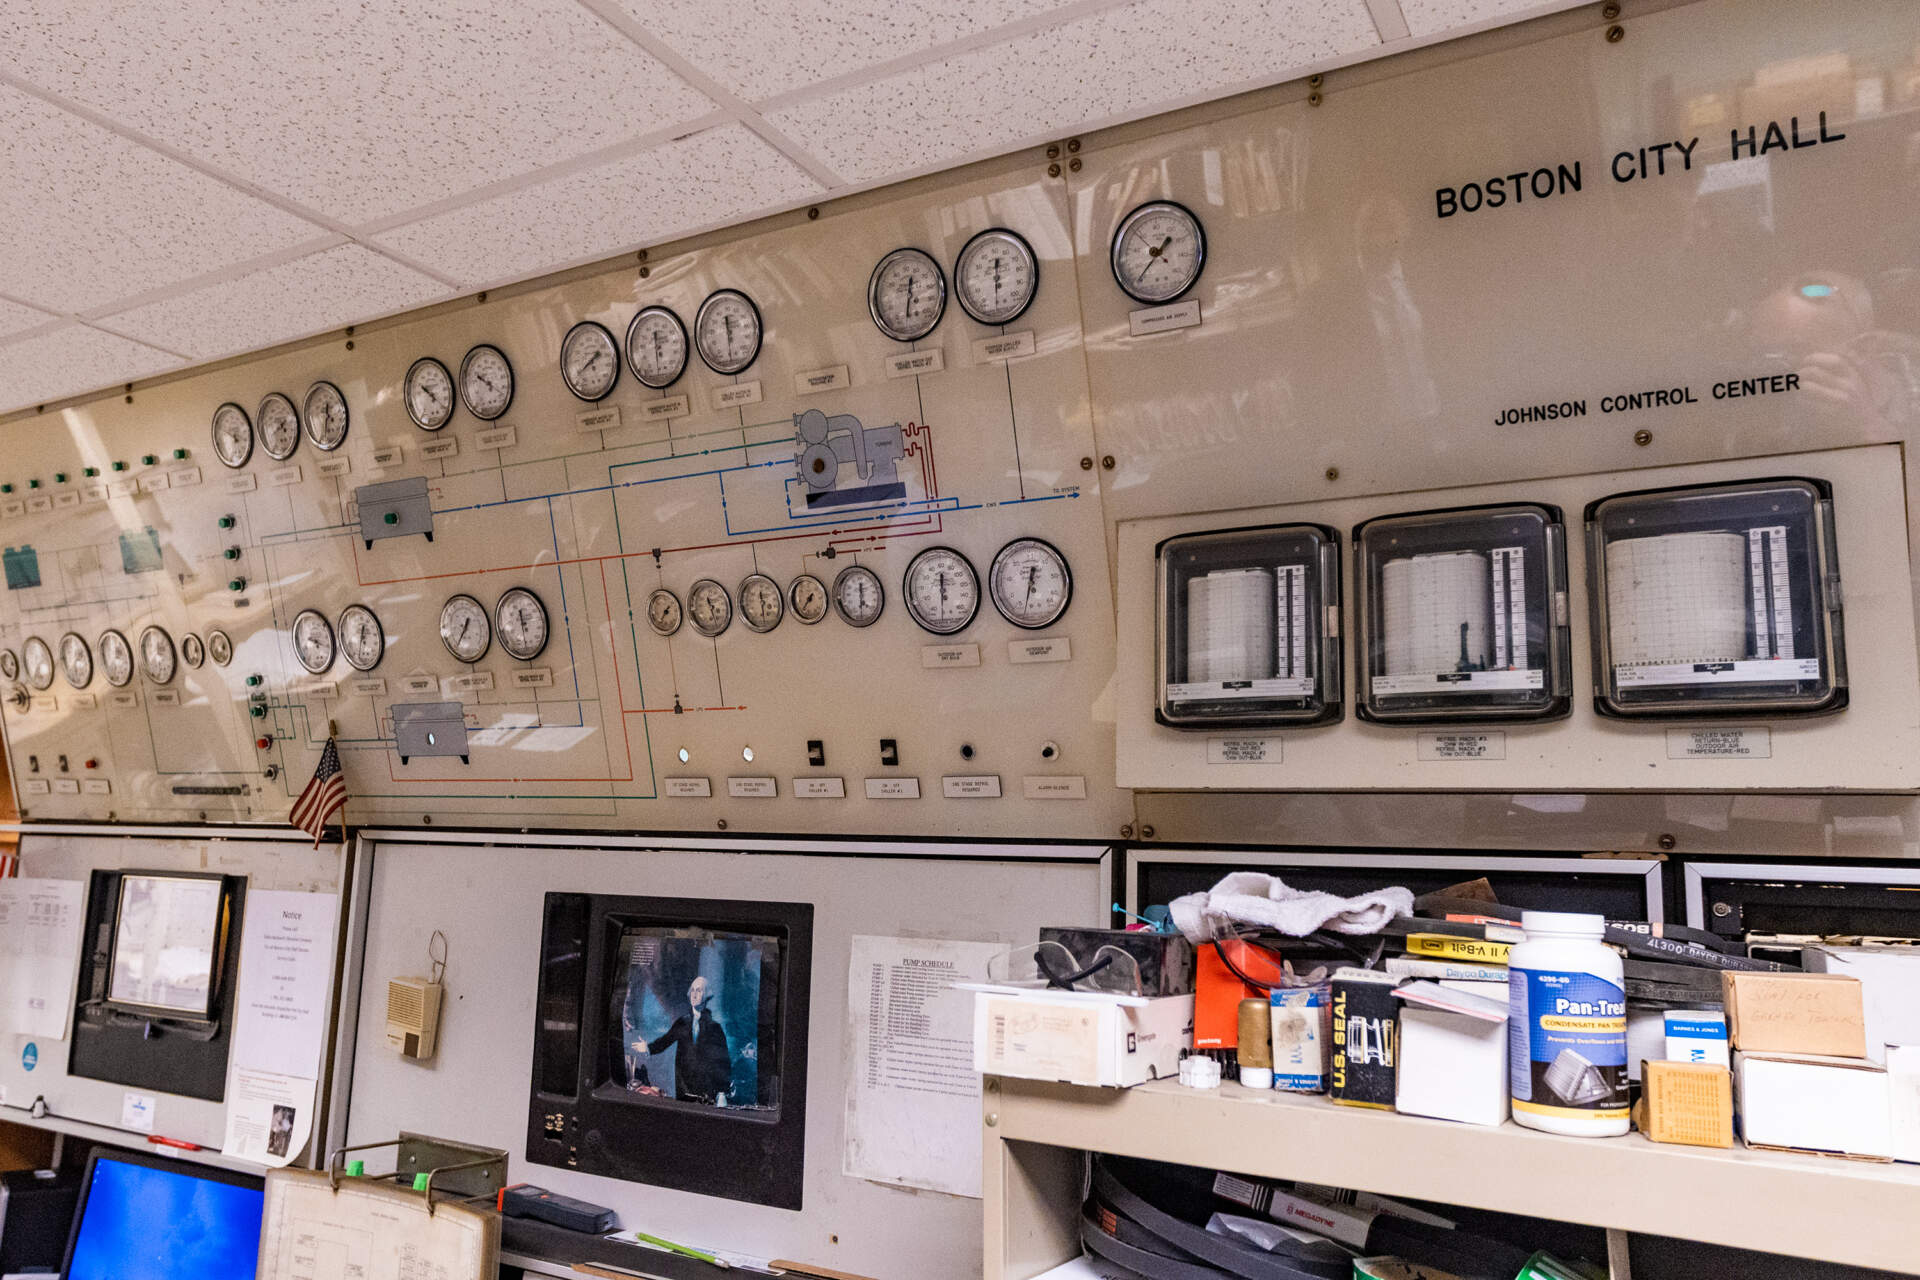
{"type": "Point", "coordinates": [70, 360]}
{"type": "Point", "coordinates": [344, 285]}
{"type": "Point", "coordinates": [96, 217]}
{"type": "Point", "coordinates": [715, 177]}
{"type": "Point", "coordinates": [15, 318]}
{"type": "Point", "coordinates": [760, 48]}
{"type": "Point", "coordinates": [1118, 63]}
{"type": "Point", "coordinates": [1433, 17]}
{"type": "Point", "coordinates": [357, 108]}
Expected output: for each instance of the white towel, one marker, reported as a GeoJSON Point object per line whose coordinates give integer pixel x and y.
{"type": "Point", "coordinates": [1255, 898]}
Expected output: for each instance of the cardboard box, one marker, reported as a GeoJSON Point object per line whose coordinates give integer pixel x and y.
{"type": "Point", "coordinates": [1903, 1100]}
{"type": "Point", "coordinates": [1689, 1103]}
{"type": "Point", "coordinates": [1696, 1035]}
{"type": "Point", "coordinates": [1890, 989]}
{"type": "Point", "coordinates": [1453, 1051]}
{"type": "Point", "coordinates": [1812, 1102]}
{"type": "Point", "coordinates": [1365, 1038]}
{"type": "Point", "coordinates": [1302, 1038]}
{"type": "Point", "coordinates": [1218, 993]}
{"type": "Point", "coordinates": [1803, 1013]}
{"type": "Point", "coordinates": [1080, 1038]}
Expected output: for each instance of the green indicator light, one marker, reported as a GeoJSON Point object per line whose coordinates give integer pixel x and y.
{"type": "Point", "coordinates": [226, 522]}
{"type": "Point", "coordinates": [148, 459]}
{"type": "Point", "coordinates": [238, 584]}
{"type": "Point", "coordinates": [179, 453]}
{"type": "Point", "coordinates": [259, 713]}
{"type": "Point", "coordinates": [231, 553]}
{"type": "Point", "coordinates": [33, 484]}
{"type": "Point", "coordinates": [392, 517]}
{"type": "Point", "coordinates": [253, 681]}
{"type": "Point", "coordinates": [59, 477]}
{"type": "Point", "coordinates": [119, 466]}
{"type": "Point", "coordinates": [91, 471]}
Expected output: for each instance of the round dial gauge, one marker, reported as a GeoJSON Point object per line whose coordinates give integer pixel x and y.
{"type": "Point", "coordinates": [157, 655]}
{"type": "Point", "coordinates": [1030, 583]}
{"type": "Point", "coordinates": [9, 664]}
{"type": "Point", "coordinates": [326, 416]}
{"type": "Point", "coordinates": [232, 435]}
{"type": "Point", "coordinates": [664, 613]}
{"type": "Point", "coordinates": [313, 641]}
{"type": "Point", "coordinates": [219, 648]}
{"type": "Point", "coordinates": [942, 590]}
{"type": "Point", "coordinates": [859, 596]}
{"type": "Point", "coordinates": [36, 660]}
{"type": "Point", "coordinates": [76, 663]}
{"type": "Point", "coordinates": [486, 382]}
{"type": "Point", "coordinates": [907, 295]}
{"type": "Point", "coordinates": [761, 604]}
{"type": "Point", "coordinates": [465, 628]}
{"type": "Point", "coordinates": [116, 658]}
{"type": "Point", "coordinates": [710, 607]}
{"type": "Point", "coordinates": [279, 426]}
{"type": "Point", "coordinates": [807, 597]}
{"type": "Point", "coordinates": [429, 393]}
{"type": "Point", "coordinates": [362, 639]}
{"type": "Point", "coordinates": [589, 360]}
{"type": "Point", "coordinates": [193, 651]}
{"type": "Point", "coordinates": [521, 620]}
{"type": "Point", "coordinates": [1158, 252]}
{"type": "Point", "coordinates": [727, 331]}
{"type": "Point", "coordinates": [657, 347]}
{"type": "Point", "coordinates": [996, 276]}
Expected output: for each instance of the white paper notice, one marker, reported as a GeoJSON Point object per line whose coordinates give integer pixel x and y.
{"type": "Point", "coordinates": [913, 1098]}
{"type": "Point", "coordinates": [269, 1117]}
{"type": "Point", "coordinates": [286, 957]}
{"type": "Point", "coordinates": [39, 955]}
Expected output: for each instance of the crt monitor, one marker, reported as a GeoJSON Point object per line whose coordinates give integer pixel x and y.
{"type": "Point", "coordinates": [144, 1217]}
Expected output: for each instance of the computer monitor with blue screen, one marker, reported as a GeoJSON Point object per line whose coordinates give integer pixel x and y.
{"type": "Point", "coordinates": [144, 1217]}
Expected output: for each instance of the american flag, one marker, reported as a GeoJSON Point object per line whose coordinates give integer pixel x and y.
{"type": "Point", "coordinates": [325, 796]}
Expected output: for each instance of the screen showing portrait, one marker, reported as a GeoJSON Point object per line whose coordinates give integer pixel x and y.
{"type": "Point", "coordinates": [695, 1018]}
{"type": "Point", "coordinates": [165, 940]}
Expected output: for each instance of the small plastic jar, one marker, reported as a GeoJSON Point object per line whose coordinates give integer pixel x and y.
{"type": "Point", "coordinates": [1567, 1027]}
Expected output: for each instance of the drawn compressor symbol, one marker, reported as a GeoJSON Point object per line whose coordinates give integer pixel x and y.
{"type": "Point", "coordinates": [822, 445]}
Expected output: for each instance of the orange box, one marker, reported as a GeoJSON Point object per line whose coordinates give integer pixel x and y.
{"type": "Point", "coordinates": [1218, 991]}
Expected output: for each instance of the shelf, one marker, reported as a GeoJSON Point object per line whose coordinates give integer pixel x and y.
{"type": "Point", "coordinates": [1837, 1210]}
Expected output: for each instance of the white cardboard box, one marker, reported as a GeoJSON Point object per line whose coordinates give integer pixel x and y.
{"type": "Point", "coordinates": [1807, 1102]}
{"type": "Point", "coordinates": [1889, 989]}
{"type": "Point", "coordinates": [1903, 1090]}
{"type": "Point", "coordinates": [1453, 1060]}
{"type": "Point", "coordinates": [1080, 1037]}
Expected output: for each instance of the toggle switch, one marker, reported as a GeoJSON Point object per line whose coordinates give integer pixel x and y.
{"type": "Point", "coordinates": [816, 753]}
{"type": "Point", "coordinates": [889, 752]}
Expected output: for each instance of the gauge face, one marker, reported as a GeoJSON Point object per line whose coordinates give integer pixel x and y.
{"type": "Point", "coordinates": [76, 663]}
{"type": "Point", "coordinates": [279, 426]}
{"type": "Point", "coordinates": [362, 639]}
{"type": "Point", "coordinates": [521, 620]}
{"type": "Point", "coordinates": [657, 347]}
{"type": "Point", "coordinates": [807, 597]}
{"type": "Point", "coordinates": [727, 331]}
{"type": "Point", "coordinates": [429, 394]}
{"type": "Point", "coordinates": [858, 595]}
{"type": "Point", "coordinates": [193, 651]}
{"type": "Point", "coordinates": [465, 628]}
{"type": "Point", "coordinates": [1030, 583]}
{"type": "Point", "coordinates": [157, 656]}
{"type": "Point", "coordinates": [761, 603]}
{"type": "Point", "coordinates": [313, 641]}
{"type": "Point", "coordinates": [486, 382]}
{"type": "Point", "coordinates": [232, 435]}
{"type": "Point", "coordinates": [116, 658]}
{"type": "Point", "coordinates": [219, 648]}
{"type": "Point", "coordinates": [664, 613]}
{"type": "Point", "coordinates": [326, 416]}
{"type": "Point", "coordinates": [907, 295]}
{"type": "Point", "coordinates": [1158, 252]}
{"type": "Point", "coordinates": [942, 590]}
{"type": "Point", "coordinates": [36, 660]}
{"type": "Point", "coordinates": [710, 607]}
{"type": "Point", "coordinates": [589, 360]}
{"type": "Point", "coordinates": [996, 276]}
{"type": "Point", "coordinates": [9, 664]}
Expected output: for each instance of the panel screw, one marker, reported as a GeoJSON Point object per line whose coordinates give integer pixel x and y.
{"type": "Point", "coordinates": [1073, 145]}
{"type": "Point", "coordinates": [349, 344]}
{"type": "Point", "coordinates": [1126, 832]}
{"type": "Point", "coordinates": [645, 272]}
{"type": "Point", "coordinates": [482, 297]}
{"type": "Point", "coordinates": [1053, 171]}
{"type": "Point", "coordinates": [1053, 151]}
{"type": "Point", "coordinates": [129, 397]}
{"type": "Point", "coordinates": [993, 1119]}
{"type": "Point", "coordinates": [1666, 841]}
{"type": "Point", "coordinates": [1074, 164]}
{"type": "Point", "coordinates": [1616, 34]}
{"type": "Point", "coordinates": [1610, 12]}
{"type": "Point", "coordinates": [1333, 473]}
{"type": "Point", "coordinates": [1106, 462]}
{"type": "Point", "coordinates": [1315, 81]}
{"type": "Point", "coordinates": [722, 824]}
{"type": "Point", "coordinates": [1146, 831]}
{"type": "Point", "coordinates": [426, 819]}
{"type": "Point", "coordinates": [1643, 437]}
{"type": "Point", "coordinates": [643, 255]}
{"type": "Point", "coordinates": [1314, 99]}
{"type": "Point", "coordinates": [1086, 464]}
{"type": "Point", "coordinates": [1723, 909]}
{"type": "Point", "coordinates": [813, 214]}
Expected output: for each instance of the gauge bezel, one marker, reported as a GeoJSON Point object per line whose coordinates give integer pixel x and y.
{"type": "Point", "coordinates": [993, 580]}
{"type": "Point", "coordinates": [460, 385]}
{"type": "Point", "coordinates": [759, 332]}
{"type": "Point", "coordinates": [323, 387]}
{"type": "Point", "coordinates": [679, 613]}
{"type": "Point", "coordinates": [406, 393]}
{"type": "Point", "coordinates": [260, 417]}
{"type": "Point", "coordinates": [793, 606]}
{"type": "Point", "coordinates": [879, 587]}
{"type": "Point", "coordinates": [725, 622]}
{"type": "Point", "coordinates": [613, 345]}
{"type": "Point", "coordinates": [1033, 274]}
{"type": "Point", "coordinates": [686, 346]}
{"type": "Point", "coordinates": [778, 594]}
{"type": "Point", "coordinates": [193, 651]}
{"type": "Point", "coordinates": [873, 294]}
{"type": "Point", "coordinates": [1200, 250]}
{"type": "Point", "coordinates": [26, 666]}
{"type": "Point", "coordinates": [500, 632]}
{"type": "Point", "coordinates": [60, 663]}
{"type": "Point", "coordinates": [486, 620]}
{"type": "Point", "coordinates": [173, 650]}
{"type": "Point", "coordinates": [906, 591]}
{"type": "Point", "coordinates": [214, 427]}
{"type": "Point", "coordinates": [340, 629]}
{"type": "Point", "coordinates": [216, 640]}
{"type": "Point", "coordinates": [9, 664]}
{"type": "Point", "coordinates": [333, 642]}
{"type": "Point", "coordinates": [119, 637]}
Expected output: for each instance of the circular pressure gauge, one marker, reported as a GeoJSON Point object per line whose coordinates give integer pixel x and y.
{"type": "Point", "coordinates": [807, 597]}
{"type": "Point", "coordinates": [279, 425]}
{"type": "Point", "coordinates": [710, 607]}
{"type": "Point", "coordinates": [996, 276]}
{"type": "Point", "coordinates": [1030, 583]}
{"type": "Point", "coordinates": [589, 360]}
{"type": "Point", "coordinates": [761, 604]}
{"type": "Point", "coordinates": [657, 347]}
{"type": "Point", "coordinates": [1158, 252]}
{"type": "Point", "coordinates": [942, 590]}
{"type": "Point", "coordinates": [157, 655]}
{"type": "Point", "coordinates": [36, 660]}
{"type": "Point", "coordinates": [486, 382]}
{"type": "Point", "coordinates": [116, 659]}
{"type": "Point", "coordinates": [362, 639]}
{"type": "Point", "coordinates": [664, 613]}
{"type": "Point", "coordinates": [9, 664]}
{"type": "Point", "coordinates": [76, 662]}
{"type": "Point", "coordinates": [858, 596]}
{"type": "Point", "coordinates": [727, 331]}
{"type": "Point", "coordinates": [429, 393]}
{"type": "Point", "coordinates": [326, 413]}
{"type": "Point", "coordinates": [232, 435]}
{"type": "Point", "coordinates": [219, 648]}
{"type": "Point", "coordinates": [465, 628]}
{"type": "Point", "coordinates": [313, 641]}
{"type": "Point", "coordinates": [193, 651]}
{"type": "Point", "coordinates": [907, 295]}
{"type": "Point", "coordinates": [521, 620]}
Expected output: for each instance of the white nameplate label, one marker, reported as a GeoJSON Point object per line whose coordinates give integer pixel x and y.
{"type": "Point", "coordinates": [280, 477]}
{"type": "Point", "coordinates": [471, 682]}
{"type": "Point", "coordinates": [1743, 743]}
{"type": "Point", "coordinates": [324, 689]}
{"type": "Point", "coordinates": [96, 786]}
{"type": "Point", "coordinates": [68, 499]}
{"type": "Point", "coordinates": [373, 687]}
{"type": "Point", "coordinates": [655, 410]}
{"type": "Point", "coordinates": [814, 381]}
{"type": "Point", "coordinates": [1464, 746]}
{"type": "Point", "coordinates": [185, 477]}
{"type": "Point", "coordinates": [40, 504]}
{"type": "Point", "coordinates": [242, 484]}
{"type": "Point", "coordinates": [533, 678]}
{"type": "Point", "coordinates": [389, 456]}
{"type": "Point", "coordinates": [1174, 315]}
{"type": "Point", "coordinates": [736, 394]}
{"type": "Point", "coordinates": [46, 702]}
{"type": "Point", "coordinates": [419, 684]}
{"type": "Point", "coordinates": [893, 788]}
{"type": "Point", "coordinates": [911, 364]}
{"type": "Point", "coordinates": [333, 467]}
{"type": "Point", "coordinates": [124, 699]}
{"type": "Point", "coordinates": [752, 788]}
{"type": "Point", "coordinates": [689, 788]}
{"type": "Point", "coordinates": [949, 655]}
{"type": "Point", "coordinates": [1243, 751]}
{"type": "Point", "coordinates": [498, 438]}
{"type": "Point", "coordinates": [1054, 787]}
{"type": "Point", "coordinates": [34, 787]}
{"type": "Point", "coordinates": [820, 788]}
{"type": "Point", "coordinates": [66, 786]}
{"type": "Point", "coordinates": [1006, 346]}
{"type": "Point", "coordinates": [605, 418]}
{"type": "Point", "coordinates": [1052, 649]}
{"type": "Point", "coordinates": [14, 509]}
{"type": "Point", "coordinates": [84, 701]}
{"type": "Point", "coordinates": [152, 483]}
{"type": "Point", "coordinates": [136, 1112]}
{"type": "Point", "coordinates": [123, 488]}
{"type": "Point", "coordinates": [445, 447]}
{"type": "Point", "coordinates": [970, 786]}
{"type": "Point", "coordinates": [166, 697]}
{"type": "Point", "coordinates": [94, 491]}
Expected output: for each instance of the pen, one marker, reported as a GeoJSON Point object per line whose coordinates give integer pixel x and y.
{"type": "Point", "coordinates": [681, 1249]}
{"type": "Point", "coordinates": [159, 1141]}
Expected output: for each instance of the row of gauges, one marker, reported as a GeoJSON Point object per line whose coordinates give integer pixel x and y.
{"type": "Point", "coordinates": [1029, 583]}
{"type": "Point", "coordinates": [279, 422]}
{"type": "Point", "coordinates": [159, 658]}
{"type": "Point", "coordinates": [519, 618]}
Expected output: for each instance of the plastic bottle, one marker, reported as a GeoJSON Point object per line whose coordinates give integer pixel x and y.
{"type": "Point", "coordinates": [1567, 1027]}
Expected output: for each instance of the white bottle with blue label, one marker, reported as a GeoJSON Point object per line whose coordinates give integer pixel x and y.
{"type": "Point", "coordinates": [1567, 1027]}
